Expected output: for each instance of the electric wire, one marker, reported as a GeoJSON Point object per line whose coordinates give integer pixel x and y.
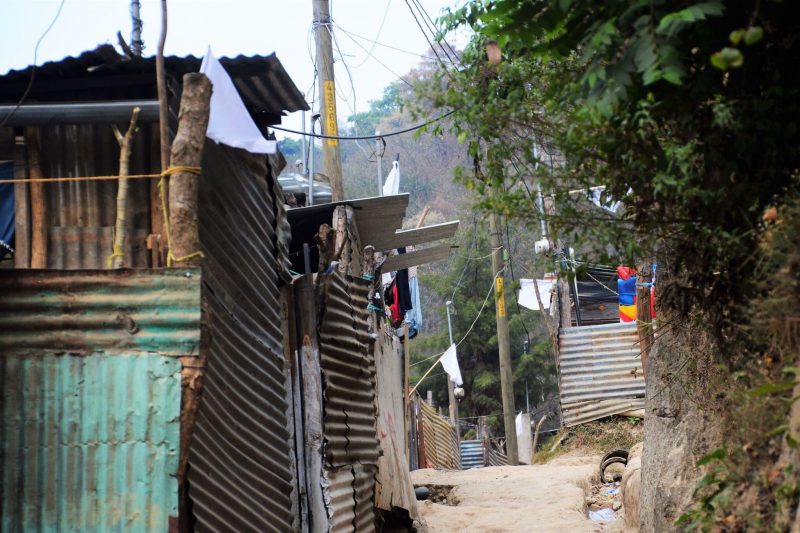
{"type": "Point", "coordinates": [425, 34]}
{"type": "Point", "coordinates": [431, 26]}
{"type": "Point", "coordinates": [366, 137]}
{"type": "Point", "coordinates": [367, 39]}
{"type": "Point", "coordinates": [33, 67]}
{"type": "Point", "coordinates": [377, 35]}
{"type": "Point", "coordinates": [438, 31]}
{"type": "Point", "coordinates": [398, 76]}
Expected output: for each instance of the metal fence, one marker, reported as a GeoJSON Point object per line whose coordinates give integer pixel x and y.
{"type": "Point", "coordinates": [600, 372]}
{"type": "Point", "coordinates": [437, 443]}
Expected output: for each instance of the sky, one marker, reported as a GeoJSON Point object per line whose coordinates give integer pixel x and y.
{"type": "Point", "coordinates": [231, 28]}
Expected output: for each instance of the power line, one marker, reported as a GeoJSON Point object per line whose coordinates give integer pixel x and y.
{"type": "Point", "coordinates": [366, 137]}
{"type": "Point", "coordinates": [425, 34]}
{"type": "Point", "coordinates": [381, 63]}
{"type": "Point", "coordinates": [351, 34]}
{"type": "Point", "coordinates": [436, 28]}
{"type": "Point", "coordinates": [33, 68]}
{"type": "Point", "coordinates": [377, 35]}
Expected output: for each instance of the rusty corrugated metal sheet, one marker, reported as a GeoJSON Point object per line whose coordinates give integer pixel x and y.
{"type": "Point", "coordinates": [349, 373]}
{"type": "Point", "coordinates": [340, 500]}
{"type": "Point", "coordinates": [91, 397]}
{"type": "Point", "coordinates": [125, 311]}
{"type": "Point", "coordinates": [601, 372]}
{"type": "Point", "coordinates": [441, 445]}
{"type": "Point", "coordinates": [350, 409]}
{"type": "Point", "coordinates": [240, 474]}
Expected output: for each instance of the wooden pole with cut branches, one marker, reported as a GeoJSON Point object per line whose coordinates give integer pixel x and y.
{"type": "Point", "coordinates": [121, 225]}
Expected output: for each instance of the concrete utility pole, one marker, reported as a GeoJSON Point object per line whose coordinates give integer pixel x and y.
{"type": "Point", "coordinates": [503, 343]}
{"type": "Point", "coordinates": [327, 96]}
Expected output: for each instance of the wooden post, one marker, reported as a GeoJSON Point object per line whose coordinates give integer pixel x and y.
{"type": "Point", "coordinates": [326, 247]}
{"type": "Point", "coordinates": [406, 371]}
{"type": "Point", "coordinates": [22, 208]}
{"type": "Point", "coordinates": [187, 151]}
{"type": "Point", "coordinates": [312, 402]}
{"type": "Point", "coordinates": [38, 202]}
{"type": "Point", "coordinates": [536, 435]}
{"type": "Point", "coordinates": [121, 225]}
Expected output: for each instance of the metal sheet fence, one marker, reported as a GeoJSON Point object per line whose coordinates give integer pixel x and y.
{"type": "Point", "coordinates": [601, 372]}
{"type": "Point", "coordinates": [441, 449]}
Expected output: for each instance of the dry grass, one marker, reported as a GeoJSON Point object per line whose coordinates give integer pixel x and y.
{"type": "Point", "coordinates": [600, 436]}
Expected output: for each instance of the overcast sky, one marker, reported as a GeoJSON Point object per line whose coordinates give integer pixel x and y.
{"type": "Point", "coordinates": [232, 27]}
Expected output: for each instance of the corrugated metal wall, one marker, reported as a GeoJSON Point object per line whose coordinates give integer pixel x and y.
{"type": "Point", "coordinates": [601, 372]}
{"type": "Point", "coordinates": [91, 397]}
{"type": "Point", "coordinates": [241, 477]}
{"type": "Point", "coordinates": [349, 423]}
{"type": "Point", "coordinates": [439, 438]}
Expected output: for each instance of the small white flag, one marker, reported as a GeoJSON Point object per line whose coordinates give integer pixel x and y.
{"type": "Point", "coordinates": [229, 122]}
{"type": "Point", "coordinates": [527, 293]}
{"type": "Point", "coordinates": [392, 185]}
{"type": "Point", "coordinates": [450, 364]}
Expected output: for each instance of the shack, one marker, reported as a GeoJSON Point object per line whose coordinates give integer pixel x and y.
{"type": "Point", "coordinates": [233, 396]}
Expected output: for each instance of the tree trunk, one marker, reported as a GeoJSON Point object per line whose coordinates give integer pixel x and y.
{"type": "Point", "coordinates": [121, 225]}
{"type": "Point", "coordinates": [187, 151]}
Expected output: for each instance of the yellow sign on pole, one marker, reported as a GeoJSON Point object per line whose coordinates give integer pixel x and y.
{"type": "Point", "coordinates": [330, 113]}
{"type": "Point", "coordinates": [501, 297]}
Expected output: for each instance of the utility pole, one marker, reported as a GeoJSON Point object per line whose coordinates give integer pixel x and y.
{"type": "Point", "coordinates": [379, 159]}
{"type": "Point", "coordinates": [506, 378]}
{"type": "Point", "coordinates": [327, 96]}
{"type": "Point", "coordinates": [450, 385]}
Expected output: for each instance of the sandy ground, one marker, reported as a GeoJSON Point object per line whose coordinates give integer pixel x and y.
{"type": "Point", "coordinates": [538, 498]}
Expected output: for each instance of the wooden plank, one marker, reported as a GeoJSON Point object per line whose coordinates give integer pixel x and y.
{"type": "Point", "coordinates": [312, 402]}
{"type": "Point", "coordinates": [22, 211]}
{"type": "Point", "coordinates": [428, 255]}
{"type": "Point", "coordinates": [413, 237]}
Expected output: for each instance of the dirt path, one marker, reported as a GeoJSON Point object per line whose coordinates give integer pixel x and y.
{"type": "Point", "coordinates": [539, 498]}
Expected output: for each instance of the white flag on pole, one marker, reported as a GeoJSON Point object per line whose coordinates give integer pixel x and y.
{"type": "Point", "coordinates": [229, 122]}
{"type": "Point", "coordinates": [527, 293]}
{"type": "Point", "coordinates": [450, 364]}
{"type": "Point", "coordinates": [392, 185]}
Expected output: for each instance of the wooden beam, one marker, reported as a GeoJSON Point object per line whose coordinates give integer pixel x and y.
{"type": "Point", "coordinates": [22, 208]}
{"type": "Point", "coordinates": [414, 237]}
{"type": "Point", "coordinates": [428, 255]}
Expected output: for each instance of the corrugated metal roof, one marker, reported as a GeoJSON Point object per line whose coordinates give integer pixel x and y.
{"type": "Point", "coordinates": [240, 477]}
{"type": "Point", "coordinates": [601, 371]}
{"type": "Point", "coordinates": [91, 397]}
{"type": "Point", "coordinates": [114, 311]}
{"type": "Point", "coordinates": [103, 74]}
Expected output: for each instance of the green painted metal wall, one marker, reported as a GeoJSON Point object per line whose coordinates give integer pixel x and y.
{"type": "Point", "coordinates": [90, 432]}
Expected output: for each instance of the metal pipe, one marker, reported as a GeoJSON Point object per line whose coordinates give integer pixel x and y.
{"type": "Point", "coordinates": [78, 113]}
{"type": "Point", "coordinates": [311, 165]}
{"type": "Point", "coordinates": [304, 144]}
{"type": "Point", "coordinates": [539, 197]}
{"type": "Point", "coordinates": [451, 395]}
{"type": "Point", "coordinates": [137, 45]}
{"type": "Point", "coordinates": [379, 159]}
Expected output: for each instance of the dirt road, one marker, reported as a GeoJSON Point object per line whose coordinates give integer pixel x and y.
{"type": "Point", "coordinates": [539, 498]}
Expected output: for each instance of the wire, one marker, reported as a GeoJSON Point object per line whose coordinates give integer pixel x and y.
{"type": "Point", "coordinates": [33, 67]}
{"type": "Point", "coordinates": [351, 35]}
{"type": "Point", "coordinates": [398, 76]}
{"type": "Point", "coordinates": [438, 31]}
{"type": "Point", "coordinates": [366, 137]}
{"type": "Point", "coordinates": [425, 34]}
{"type": "Point", "coordinates": [377, 35]}
{"type": "Point", "coordinates": [480, 311]}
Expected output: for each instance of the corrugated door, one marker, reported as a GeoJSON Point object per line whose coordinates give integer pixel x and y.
{"type": "Point", "coordinates": [349, 425]}
{"type": "Point", "coordinates": [91, 397]}
{"type": "Point", "coordinates": [241, 467]}
{"type": "Point", "coordinates": [601, 372]}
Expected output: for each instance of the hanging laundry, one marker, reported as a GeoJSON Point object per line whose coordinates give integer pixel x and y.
{"type": "Point", "coordinates": [229, 122]}
{"type": "Point", "coordinates": [527, 293]}
{"type": "Point", "coordinates": [626, 287]}
{"type": "Point", "coordinates": [392, 185]}
{"type": "Point", "coordinates": [6, 208]}
{"type": "Point", "coordinates": [450, 364]}
{"type": "Point", "coordinates": [414, 315]}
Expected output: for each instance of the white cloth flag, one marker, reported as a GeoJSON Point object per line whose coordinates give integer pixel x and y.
{"type": "Point", "coordinates": [450, 364]}
{"type": "Point", "coordinates": [527, 293]}
{"type": "Point", "coordinates": [392, 185]}
{"type": "Point", "coordinates": [229, 122]}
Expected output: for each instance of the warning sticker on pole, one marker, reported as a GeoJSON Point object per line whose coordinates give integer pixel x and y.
{"type": "Point", "coordinates": [330, 113]}
{"type": "Point", "coordinates": [501, 297]}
